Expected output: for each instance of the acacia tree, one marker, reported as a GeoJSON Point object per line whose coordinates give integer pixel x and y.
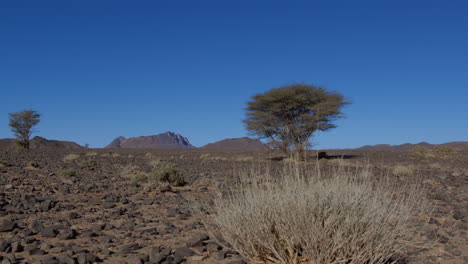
{"type": "Point", "coordinates": [289, 115]}
{"type": "Point", "coordinates": [21, 124]}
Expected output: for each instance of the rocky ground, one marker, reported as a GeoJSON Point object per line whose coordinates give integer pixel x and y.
{"type": "Point", "coordinates": [80, 206]}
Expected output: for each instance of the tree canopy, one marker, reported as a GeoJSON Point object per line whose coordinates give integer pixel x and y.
{"type": "Point", "coordinates": [21, 124]}
{"type": "Point", "coordinates": [289, 115]}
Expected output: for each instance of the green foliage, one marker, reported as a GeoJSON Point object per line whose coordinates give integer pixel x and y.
{"type": "Point", "coordinates": [139, 178]}
{"type": "Point", "coordinates": [21, 124]}
{"type": "Point", "coordinates": [67, 173]}
{"type": "Point", "coordinates": [166, 172]}
{"type": "Point", "coordinates": [290, 115]}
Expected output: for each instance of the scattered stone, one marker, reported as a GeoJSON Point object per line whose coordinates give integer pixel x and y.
{"type": "Point", "coordinates": [7, 225]}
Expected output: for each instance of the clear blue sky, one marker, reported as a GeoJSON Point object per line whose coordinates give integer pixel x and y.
{"type": "Point", "coordinates": [101, 69]}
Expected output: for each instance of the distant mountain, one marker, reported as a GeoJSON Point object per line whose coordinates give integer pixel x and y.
{"type": "Point", "coordinates": [116, 142]}
{"type": "Point", "coordinates": [458, 146]}
{"type": "Point", "coordinates": [243, 143]}
{"type": "Point", "coordinates": [39, 143]}
{"type": "Point", "coordinates": [168, 140]}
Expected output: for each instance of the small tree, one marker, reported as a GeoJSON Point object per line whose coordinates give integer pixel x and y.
{"type": "Point", "coordinates": [21, 124]}
{"type": "Point", "coordinates": [290, 115]}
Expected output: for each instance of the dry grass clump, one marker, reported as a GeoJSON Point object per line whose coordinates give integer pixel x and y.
{"type": "Point", "coordinates": [91, 153]}
{"type": "Point", "coordinates": [163, 173]}
{"type": "Point", "coordinates": [242, 158]}
{"type": "Point", "coordinates": [71, 157]}
{"type": "Point", "coordinates": [402, 170]}
{"type": "Point", "coordinates": [129, 170]}
{"type": "Point", "coordinates": [67, 173]}
{"type": "Point", "coordinates": [154, 162]}
{"type": "Point", "coordinates": [309, 217]}
{"type": "Point", "coordinates": [166, 172]}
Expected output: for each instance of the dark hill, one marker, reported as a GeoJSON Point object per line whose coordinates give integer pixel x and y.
{"type": "Point", "coordinates": [168, 140]}
{"type": "Point", "coordinates": [244, 143]}
{"type": "Point", "coordinates": [39, 143]}
{"type": "Point", "coordinates": [458, 146]}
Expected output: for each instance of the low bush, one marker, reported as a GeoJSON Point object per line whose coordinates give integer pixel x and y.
{"type": "Point", "coordinates": [166, 172]}
{"type": "Point", "coordinates": [88, 164]}
{"type": "Point", "coordinates": [67, 173]}
{"type": "Point", "coordinates": [419, 153]}
{"type": "Point", "coordinates": [140, 178]}
{"type": "Point", "coordinates": [402, 170]}
{"type": "Point", "coordinates": [443, 152]}
{"type": "Point", "coordinates": [338, 216]}
{"type": "Point", "coordinates": [71, 157]}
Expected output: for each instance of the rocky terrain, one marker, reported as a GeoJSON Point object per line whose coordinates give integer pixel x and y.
{"type": "Point", "coordinates": [81, 206]}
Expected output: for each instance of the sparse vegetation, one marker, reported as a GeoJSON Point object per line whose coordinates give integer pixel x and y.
{"type": "Point", "coordinates": [67, 173]}
{"type": "Point", "coordinates": [290, 115]}
{"type": "Point", "coordinates": [443, 151]}
{"type": "Point", "coordinates": [21, 124]}
{"type": "Point", "coordinates": [91, 153]}
{"type": "Point", "coordinates": [88, 164]}
{"type": "Point", "coordinates": [166, 172]}
{"type": "Point", "coordinates": [139, 178]}
{"type": "Point", "coordinates": [403, 170]}
{"type": "Point", "coordinates": [301, 218]}
{"type": "Point", "coordinates": [419, 153]}
{"type": "Point", "coordinates": [71, 157]}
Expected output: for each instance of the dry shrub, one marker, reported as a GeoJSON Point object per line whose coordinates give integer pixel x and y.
{"type": "Point", "coordinates": [402, 170]}
{"type": "Point", "coordinates": [166, 172]}
{"type": "Point", "coordinates": [67, 173]}
{"type": "Point", "coordinates": [339, 216]}
{"type": "Point", "coordinates": [436, 166]}
{"type": "Point", "coordinates": [71, 157]}
{"type": "Point", "coordinates": [154, 162]}
{"type": "Point", "coordinates": [242, 158]}
{"type": "Point", "coordinates": [443, 152]}
{"type": "Point", "coordinates": [91, 153]}
{"type": "Point", "coordinates": [419, 153]}
{"type": "Point", "coordinates": [115, 155]}
{"type": "Point", "coordinates": [129, 170]}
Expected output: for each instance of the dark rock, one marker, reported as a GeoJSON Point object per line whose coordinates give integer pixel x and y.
{"type": "Point", "coordinates": [49, 232]}
{"type": "Point", "coordinates": [183, 252]}
{"type": "Point", "coordinates": [89, 234]}
{"type": "Point", "coordinates": [5, 246]}
{"type": "Point", "coordinates": [196, 241]}
{"type": "Point", "coordinates": [36, 226]}
{"type": "Point", "coordinates": [213, 247]}
{"type": "Point", "coordinates": [459, 215]}
{"type": "Point", "coordinates": [433, 221]}
{"type": "Point", "coordinates": [65, 259]}
{"type": "Point", "coordinates": [73, 215]}
{"type": "Point", "coordinates": [16, 247]}
{"type": "Point", "coordinates": [171, 212]}
{"type": "Point", "coordinates": [67, 234]}
{"type": "Point", "coordinates": [87, 258]}
{"type": "Point", "coordinates": [7, 225]}
{"type": "Point", "coordinates": [130, 248]}
{"type": "Point", "coordinates": [156, 256]}
{"type": "Point", "coordinates": [134, 260]}
{"type": "Point", "coordinates": [50, 260]}
{"type": "Point", "coordinates": [148, 201]}
{"type": "Point", "coordinates": [36, 251]}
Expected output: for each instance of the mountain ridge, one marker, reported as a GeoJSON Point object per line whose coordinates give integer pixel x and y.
{"type": "Point", "coordinates": [167, 140]}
